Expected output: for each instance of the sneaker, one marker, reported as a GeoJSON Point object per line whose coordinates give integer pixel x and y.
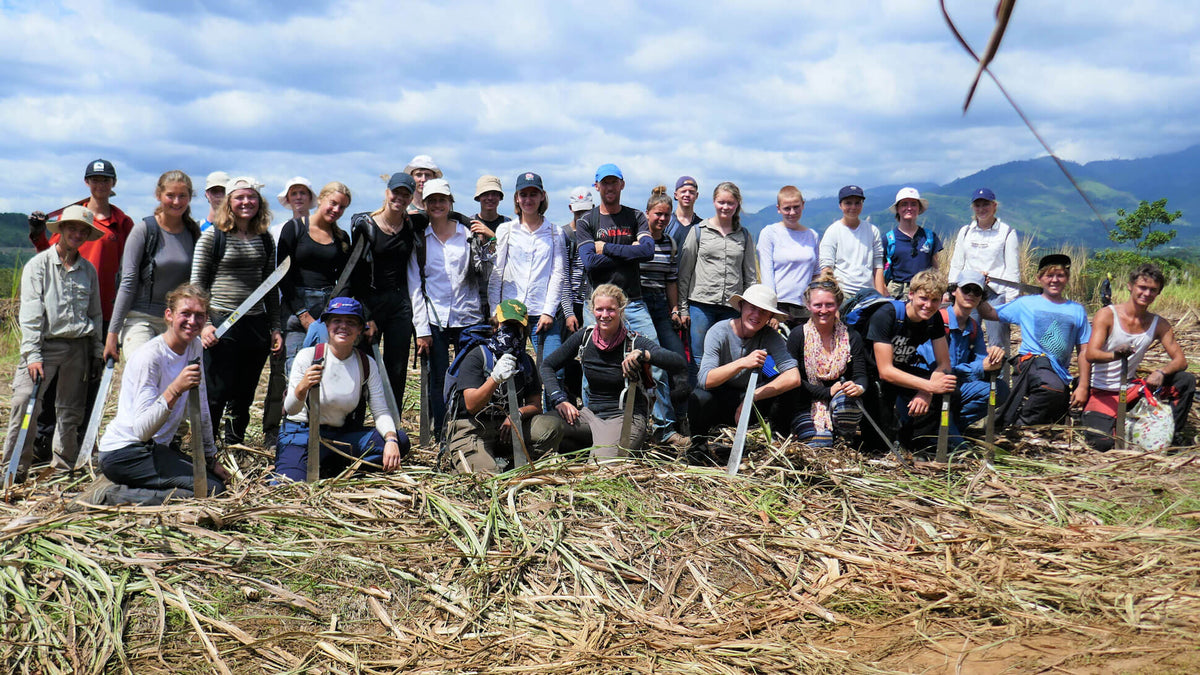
{"type": "Point", "coordinates": [679, 441]}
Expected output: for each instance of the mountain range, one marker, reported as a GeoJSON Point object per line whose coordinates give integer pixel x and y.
{"type": "Point", "coordinates": [1038, 200]}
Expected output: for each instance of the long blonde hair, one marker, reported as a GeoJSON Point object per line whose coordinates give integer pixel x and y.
{"type": "Point", "coordinates": [258, 224]}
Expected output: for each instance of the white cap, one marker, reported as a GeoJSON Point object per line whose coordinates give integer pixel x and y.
{"type": "Point", "coordinates": [215, 179]}
{"type": "Point", "coordinates": [436, 186]}
{"type": "Point", "coordinates": [580, 199]}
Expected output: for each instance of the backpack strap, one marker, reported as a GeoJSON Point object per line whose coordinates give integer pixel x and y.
{"type": "Point", "coordinates": [149, 250]}
{"type": "Point", "coordinates": [901, 310]}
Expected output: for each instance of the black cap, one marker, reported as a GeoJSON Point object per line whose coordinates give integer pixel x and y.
{"type": "Point", "coordinates": [1060, 259]}
{"type": "Point", "coordinates": [850, 191]}
{"type": "Point", "coordinates": [100, 167]}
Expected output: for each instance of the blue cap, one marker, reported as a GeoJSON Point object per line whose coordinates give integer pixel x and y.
{"type": "Point", "coordinates": [686, 180]}
{"type": "Point", "coordinates": [402, 180]}
{"type": "Point", "coordinates": [529, 179]}
{"type": "Point", "coordinates": [984, 193]}
{"type": "Point", "coordinates": [607, 170]}
{"type": "Point", "coordinates": [851, 191]}
{"type": "Point", "coordinates": [344, 307]}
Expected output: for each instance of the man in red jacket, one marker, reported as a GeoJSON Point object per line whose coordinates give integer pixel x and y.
{"type": "Point", "coordinates": [104, 254]}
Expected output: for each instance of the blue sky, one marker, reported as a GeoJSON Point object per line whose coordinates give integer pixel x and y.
{"type": "Point", "coordinates": [761, 92]}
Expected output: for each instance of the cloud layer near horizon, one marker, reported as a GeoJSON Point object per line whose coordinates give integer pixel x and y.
{"type": "Point", "coordinates": [762, 92]}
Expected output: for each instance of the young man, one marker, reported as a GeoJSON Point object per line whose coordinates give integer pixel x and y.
{"type": "Point", "coordinates": [684, 216]}
{"type": "Point", "coordinates": [732, 350]}
{"type": "Point", "coordinates": [1052, 329]}
{"type": "Point", "coordinates": [60, 321]}
{"type": "Point", "coordinates": [156, 390]}
{"type": "Point", "coordinates": [1130, 328]}
{"type": "Point", "coordinates": [422, 168]}
{"type": "Point", "coordinates": [853, 249]}
{"type": "Point", "coordinates": [908, 248]}
{"type": "Point", "coordinates": [489, 194]}
{"type": "Point", "coordinates": [894, 341]}
{"type": "Point", "coordinates": [971, 359]}
{"type": "Point", "coordinates": [214, 192]}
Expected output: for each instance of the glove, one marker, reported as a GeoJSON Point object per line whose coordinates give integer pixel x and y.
{"type": "Point", "coordinates": [37, 223]}
{"type": "Point", "coordinates": [505, 368]}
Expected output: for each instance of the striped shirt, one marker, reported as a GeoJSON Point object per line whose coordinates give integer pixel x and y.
{"type": "Point", "coordinates": [663, 268]}
{"type": "Point", "coordinates": [230, 280]}
{"type": "Point", "coordinates": [575, 286]}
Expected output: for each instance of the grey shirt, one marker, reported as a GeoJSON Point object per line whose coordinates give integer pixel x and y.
{"type": "Point", "coordinates": [57, 302]}
{"type": "Point", "coordinates": [172, 267]}
{"type": "Point", "coordinates": [722, 346]}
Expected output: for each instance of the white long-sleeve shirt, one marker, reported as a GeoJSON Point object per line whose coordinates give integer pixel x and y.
{"type": "Point", "coordinates": [142, 412]}
{"type": "Point", "coordinates": [341, 388]}
{"type": "Point", "coordinates": [787, 260]}
{"type": "Point", "coordinates": [529, 266]}
{"type": "Point", "coordinates": [450, 286]}
{"type": "Point", "coordinates": [994, 251]}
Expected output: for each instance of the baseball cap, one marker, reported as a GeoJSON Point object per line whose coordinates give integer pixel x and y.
{"type": "Point", "coordinates": [851, 191]}
{"type": "Point", "coordinates": [1061, 259]}
{"type": "Point", "coordinates": [984, 193]}
{"type": "Point", "coordinates": [344, 307]}
{"type": "Point", "coordinates": [529, 179]}
{"type": "Point", "coordinates": [607, 170]}
{"type": "Point", "coordinates": [580, 199]}
{"type": "Point", "coordinates": [100, 167]}
{"type": "Point", "coordinates": [402, 180]}
{"type": "Point", "coordinates": [512, 310]}
{"type": "Point", "coordinates": [487, 184]}
{"type": "Point", "coordinates": [686, 180]}
{"type": "Point", "coordinates": [215, 179]}
{"type": "Point", "coordinates": [436, 186]}
{"type": "Point", "coordinates": [423, 162]}
{"type": "Point", "coordinates": [970, 278]}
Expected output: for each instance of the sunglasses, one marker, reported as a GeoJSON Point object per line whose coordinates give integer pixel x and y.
{"type": "Point", "coordinates": [971, 290]}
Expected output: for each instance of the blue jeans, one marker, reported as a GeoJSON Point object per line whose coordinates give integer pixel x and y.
{"type": "Point", "coordinates": [969, 404]}
{"type": "Point", "coordinates": [439, 361]}
{"type": "Point", "coordinates": [291, 455]}
{"type": "Point", "coordinates": [703, 316]}
{"type": "Point", "coordinates": [660, 312]}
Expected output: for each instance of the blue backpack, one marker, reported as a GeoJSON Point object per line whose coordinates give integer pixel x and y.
{"type": "Point", "coordinates": [470, 338]}
{"type": "Point", "coordinates": [924, 238]}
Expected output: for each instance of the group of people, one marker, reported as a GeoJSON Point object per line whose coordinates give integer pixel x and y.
{"type": "Point", "coordinates": [661, 305]}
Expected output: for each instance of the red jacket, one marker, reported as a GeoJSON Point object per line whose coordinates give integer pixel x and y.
{"type": "Point", "coordinates": [104, 253]}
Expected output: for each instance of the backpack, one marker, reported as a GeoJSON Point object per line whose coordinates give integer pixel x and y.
{"type": "Point", "coordinates": [889, 248]}
{"type": "Point", "coordinates": [150, 249]}
{"type": "Point", "coordinates": [358, 416]}
{"type": "Point", "coordinates": [972, 325]}
{"type": "Point", "coordinates": [864, 305]}
{"type": "Point", "coordinates": [470, 338]}
{"type": "Point", "coordinates": [647, 382]}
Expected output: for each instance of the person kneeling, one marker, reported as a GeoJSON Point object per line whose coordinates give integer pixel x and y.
{"type": "Point", "coordinates": [348, 382]}
{"type": "Point", "coordinates": [480, 429]}
{"type": "Point", "coordinates": [1127, 330]}
{"type": "Point", "coordinates": [156, 389]}
{"type": "Point", "coordinates": [732, 350]}
{"type": "Point", "coordinates": [895, 335]}
{"type": "Point", "coordinates": [974, 363]}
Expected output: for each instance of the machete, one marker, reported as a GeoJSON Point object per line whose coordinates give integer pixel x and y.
{"type": "Point", "coordinates": [313, 400]}
{"type": "Point", "coordinates": [1121, 400]}
{"type": "Point", "coordinates": [93, 426]}
{"type": "Point", "coordinates": [22, 436]}
{"type": "Point", "coordinates": [990, 428]}
{"type": "Point", "coordinates": [58, 212]}
{"type": "Point", "coordinates": [894, 446]}
{"type": "Point", "coordinates": [520, 453]}
{"type": "Point", "coordinates": [196, 421]}
{"type": "Point", "coordinates": [943, 440]}
{"type": "Point", "coordinates": [628, 399]}
{"type": "Point", "coordinates": [255, 297]}
{"type": "Point", "coordinates": [739, 438]}
{"type": "Point", "coordinates": [388, 394]}
{"type": "Point", "coordinates": [343, 279]}
{"type": "Point", "coordinates": [423, 433]}
{"type": "Point", "coordinates": [1025, 289]}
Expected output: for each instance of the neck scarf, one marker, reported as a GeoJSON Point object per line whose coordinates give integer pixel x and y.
{"type": "Point", "coordinates": [822, 366]}
{"type": "Point", "coordinates": [605, 345]}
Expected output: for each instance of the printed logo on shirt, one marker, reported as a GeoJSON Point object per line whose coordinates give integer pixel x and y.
{"type": "Point", "coordinates": [614, 232]}
{"type": "Point", "coordinates": [903, 351]}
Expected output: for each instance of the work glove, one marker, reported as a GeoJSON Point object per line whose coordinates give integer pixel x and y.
{"type": "Point", "coordinates": [37, 223]}
{"type": "Point", "coordinates": [505, 368]}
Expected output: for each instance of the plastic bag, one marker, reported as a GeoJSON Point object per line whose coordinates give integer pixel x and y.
{"type": "Point", "coordinates": [1150, 424]}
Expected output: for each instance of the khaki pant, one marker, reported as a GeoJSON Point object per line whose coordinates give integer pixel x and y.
{"type": "Point", "coordinates": [69, 358]}
{"type": "Point", "coordinates": [139, 329]}
{"type": "Point", "coordinates": [898, 289]}
{"type": "Point", "coordinates": [475, 444]}
{"type": "Point", "coordinates": [603, 436]}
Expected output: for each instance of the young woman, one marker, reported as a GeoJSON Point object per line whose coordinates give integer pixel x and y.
{"type": "Point", "coordinates": [530, 260]}
{"type": "Point", "coordinates": [787, 255]}
{"type": "Point", "coordinates": [423, 169]}
{"type": "Point", "coordinates": [908, 248]}
{"type": "Point", "coordinates": [158, 258]}
{"type": "Point", "coordinates": [444, 290]}
{"type": "Point", "coordinates": [156, 388]}
{"type": "Point", "coordinates": [833, 368]}
{"type": "Point", "coordinates": [609, 355]}
{"type": "Point", "coordinates": [381, 277]}
{"type": "Point", "coordinates": [297, 197]}
{"type": "Point", "coordinates": [319, 250]}
{"type": "Point", "coordinates": [481, 429]}
{"type": "Point", "coordinates": [660, 292]}
{"type": "Point", "coordinates": [231, 259]}
{"type": "Point", "coordinates": [717, 263]}
{"type": "Point", "coordinates": [989, 246]}
{"type": "Point", "coordinates": [349, 384]}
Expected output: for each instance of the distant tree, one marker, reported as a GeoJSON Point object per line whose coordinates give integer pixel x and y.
{"type": "Point", "coordinates": [1140, 226]}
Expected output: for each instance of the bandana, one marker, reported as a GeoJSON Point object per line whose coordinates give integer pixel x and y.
{"type": "Point", "coordinates": [507, 340]}
{"type": "Point", "coordinates": [605, 345]}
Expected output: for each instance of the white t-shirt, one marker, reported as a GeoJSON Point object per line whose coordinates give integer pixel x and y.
{"type": "Point", "coordinates": [341, 387]}
{"type": "Point", "coordinates": [854, 254]}
{"type": "Point", "coordinates": [142, 413]}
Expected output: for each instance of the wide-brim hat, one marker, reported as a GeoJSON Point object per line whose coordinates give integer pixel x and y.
{"type": "Point", "coordinates": [423, 162]}
{"type": "Point", "coordinates": [77, 214]}
{"type": "Point", "coordinates": [486, 184]}
{"type": "Point", "coordinates": [759, 295]}
{"type": "Point", "coordinates": [298, 180]}
{"type": "Point", "coordinates": [909, 193]}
